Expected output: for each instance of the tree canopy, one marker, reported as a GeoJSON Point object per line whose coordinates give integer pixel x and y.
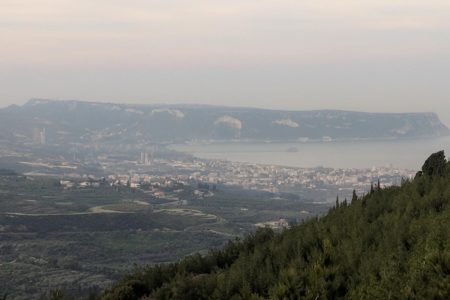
{"type": "Point", "coordinates": [435, 164]}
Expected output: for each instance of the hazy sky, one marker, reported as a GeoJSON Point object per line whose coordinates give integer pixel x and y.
{"type": "Point", "coordinates": [373, 55]}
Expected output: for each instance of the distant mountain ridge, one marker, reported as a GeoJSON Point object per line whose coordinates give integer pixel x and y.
{"type": "Point", "coordinates": [77, 121]}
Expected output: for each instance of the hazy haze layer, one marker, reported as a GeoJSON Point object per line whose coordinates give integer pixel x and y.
{"type": "Point", "coordinates": [361, 55]}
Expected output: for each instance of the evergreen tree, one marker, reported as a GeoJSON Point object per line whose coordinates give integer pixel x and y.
{"type": "Point", "coordinates": [354, 196]}
{"type": "Point", "coordinates": [435, 164]}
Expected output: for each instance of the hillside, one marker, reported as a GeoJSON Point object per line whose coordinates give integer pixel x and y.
{"type": "Point", "coordinates": [393, 243]}
{"type": "Point", "coordinates": [82, 122]}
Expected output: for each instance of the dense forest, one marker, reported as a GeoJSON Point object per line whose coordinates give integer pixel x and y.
{"type": "Point", "coordinates": [393, 243]}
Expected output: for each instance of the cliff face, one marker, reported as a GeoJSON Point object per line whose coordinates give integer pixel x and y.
{"type": "Point", "coordinates": [77, 121]}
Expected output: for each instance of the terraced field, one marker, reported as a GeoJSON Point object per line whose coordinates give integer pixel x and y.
{"type": "Point", "coordinates": [185, 212]}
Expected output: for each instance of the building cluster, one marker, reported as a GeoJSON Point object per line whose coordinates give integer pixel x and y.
{"type": "Point", "coordinates": [271, 178]}
{"type": "Point", "coordinates": [275, 225]}
{"type": "Point", "coordinates": [168, 172]}
{"type": "Point", "coordinates": [146, 158]}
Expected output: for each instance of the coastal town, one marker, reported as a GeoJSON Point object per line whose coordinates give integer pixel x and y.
{"type": "Point", "coordinates": [160, 173]}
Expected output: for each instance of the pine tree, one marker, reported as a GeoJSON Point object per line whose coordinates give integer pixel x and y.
{"type": "Point", "coordinates": [354, 196]}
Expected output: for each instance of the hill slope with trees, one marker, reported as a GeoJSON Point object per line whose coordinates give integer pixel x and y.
{"type": "Point", "coordinates": [393, 243]}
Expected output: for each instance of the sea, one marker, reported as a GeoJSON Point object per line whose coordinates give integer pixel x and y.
{"type": "Point", "coordinates": [404, 154]}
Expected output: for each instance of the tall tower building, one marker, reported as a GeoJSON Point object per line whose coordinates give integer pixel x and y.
{"type": "Point", "coordinates": [42, 136]}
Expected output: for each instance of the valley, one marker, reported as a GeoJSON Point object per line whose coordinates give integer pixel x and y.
{"type": "Point", "coordinates": [82, 239]}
